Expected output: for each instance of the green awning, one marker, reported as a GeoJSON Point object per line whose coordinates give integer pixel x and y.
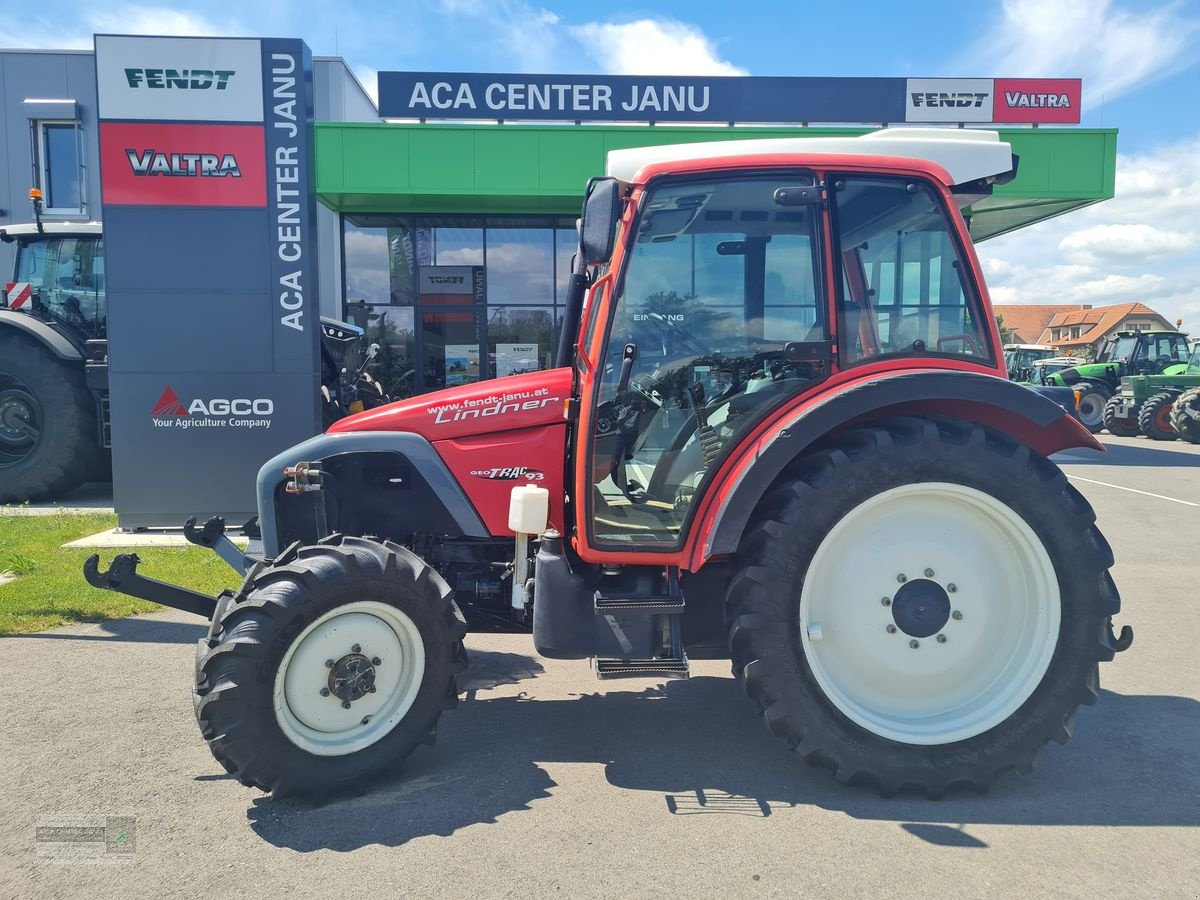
{"type": "Point", "coordinates": [379, 167]}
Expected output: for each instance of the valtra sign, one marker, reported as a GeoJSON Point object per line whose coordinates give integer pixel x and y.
{"type": "Point", "coordinates": [210, 246]}
{"type": "Point", "coordinates": [627, 98]}
{"type": "Point", "coordinates": [180, 164]}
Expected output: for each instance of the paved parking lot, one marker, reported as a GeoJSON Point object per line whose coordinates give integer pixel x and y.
{"type": "Point", "coordinates": [545, 782]}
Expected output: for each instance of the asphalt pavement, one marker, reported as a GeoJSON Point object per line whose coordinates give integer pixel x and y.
{"type": "Point", "coordinates": [545, 782]}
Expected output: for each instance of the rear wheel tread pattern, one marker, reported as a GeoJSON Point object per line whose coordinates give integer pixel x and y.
{"type": "Point", "coordinates": [69, 450]}
{"type": "Point", "coordinates": [1187, 426]}
{"type": "Point", "coordinates": [763, 599]}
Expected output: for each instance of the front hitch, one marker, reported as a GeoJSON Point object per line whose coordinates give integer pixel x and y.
{"type": "Point", "coordinates": [122, 577]}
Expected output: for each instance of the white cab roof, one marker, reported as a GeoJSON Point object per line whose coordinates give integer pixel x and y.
{"type": "Point", "coordinates": [54, 228]}
{"type": "Point", "coordinates": [967, 154]}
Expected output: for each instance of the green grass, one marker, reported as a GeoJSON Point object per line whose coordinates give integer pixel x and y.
{"type": "Point", "coordinates": [49, 589]}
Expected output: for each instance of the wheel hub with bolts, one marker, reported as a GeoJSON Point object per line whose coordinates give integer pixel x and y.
{"type": "Point", "coordinates": [921, 608]}
{"type": "Point", "coordinates": [349, 678]}
{"type": "Point", "coordinates": [352, 677]}
{"type": "Point", "coordinates": [18, 417]}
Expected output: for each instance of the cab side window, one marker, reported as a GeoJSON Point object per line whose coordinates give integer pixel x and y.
{"type": "Point", "coordinates": [905, 288]}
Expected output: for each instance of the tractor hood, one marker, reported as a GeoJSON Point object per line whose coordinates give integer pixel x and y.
{"type": "Point", "coordinates": [502, 404]}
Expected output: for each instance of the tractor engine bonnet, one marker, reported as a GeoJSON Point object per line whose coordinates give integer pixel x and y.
{"type": "Point", "coordinates": [501, 404]}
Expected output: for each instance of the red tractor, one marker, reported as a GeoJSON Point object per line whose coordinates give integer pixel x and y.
{"type": "Point", "coordinates": [779, 431]}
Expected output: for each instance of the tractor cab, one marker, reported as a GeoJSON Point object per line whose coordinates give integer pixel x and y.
{"type": "Point", "coordinates": [59, 277]}
{"type": "Point", "coordinates": [738, 287]}
{"type": "Point", "coordinates": [1144, 352]}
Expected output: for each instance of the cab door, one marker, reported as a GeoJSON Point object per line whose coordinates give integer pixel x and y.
{"type": "Point", "coordinates": [718, 313]}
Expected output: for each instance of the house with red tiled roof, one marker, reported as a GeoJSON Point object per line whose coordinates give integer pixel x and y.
{"type": "Point", "coordinates": [1024, 323]}
{"type": "Point", "coordinates": [1083, 331]}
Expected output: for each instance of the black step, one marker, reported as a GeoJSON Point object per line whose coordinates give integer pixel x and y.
{"type": "Point", "coordinates": [641, 668]}
{"type": "Point", "coordinates": [638, 606]}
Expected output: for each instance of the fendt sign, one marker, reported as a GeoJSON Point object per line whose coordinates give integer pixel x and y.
{"type": "Point", "coordinates": [628, 98]}
{"type": "Point", "coordinates": [209, 232]}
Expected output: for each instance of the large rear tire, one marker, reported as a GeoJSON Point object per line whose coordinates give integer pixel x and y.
{"type": "Point", "coordinates": [1185, 415]}
{"type": "Point", "coordinates": [1092, 400]}
{"type": "Point", "coordinates": [923, 603]}
{"type": "Point", "coordinates": [1121, 426]}
{"type": "Point", "coordinates": [330, 667]}
{"type": "Point", "coordinates": [1154, 418]}
{"type": "Point", "coordinates": [48, 440]}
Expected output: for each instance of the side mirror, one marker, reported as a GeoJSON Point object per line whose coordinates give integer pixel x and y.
{"type": "Point", "coordinates": [601, 212]}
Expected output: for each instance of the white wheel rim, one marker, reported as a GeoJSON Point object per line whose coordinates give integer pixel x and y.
{"type": "Point", "coordinates": [1091, 408]}
{"type": "Point", "coordinates": [320, 723]}
{"type": "Point", "coordinates": [1001, 628]}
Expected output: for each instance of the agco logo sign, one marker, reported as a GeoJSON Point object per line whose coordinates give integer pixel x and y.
{"type": "Point", "coordinates": [215, 412]}
{"type": "Point", "coordinates": [180, 79]}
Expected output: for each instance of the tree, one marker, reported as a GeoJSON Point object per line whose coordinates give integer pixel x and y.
{"type": "Point", "coordinates": [1007, 335]}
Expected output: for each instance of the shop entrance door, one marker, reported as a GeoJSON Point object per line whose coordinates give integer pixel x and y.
{"type": "Point", "coordinates": [449, 345]}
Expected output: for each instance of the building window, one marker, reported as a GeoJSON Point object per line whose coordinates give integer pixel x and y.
{"type": "Point", "coordinates": [58, 166]}
{"type": "Point", "coordinates": [463, 297]}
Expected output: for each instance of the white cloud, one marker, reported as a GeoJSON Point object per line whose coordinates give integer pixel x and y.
{"type": "Point", "coordinates": [1142, 245]}
{"type": "Point", "coordinates": [1113, 49]}
{"type": "Point", "coordinates": [510, 32]}
{"type": "Point", "coordinates": [40, 34]}
{"type": "Point", "coordinates": [1126, 243]}
{"type": "Point", "coordinates": [652, 47]}
{"type": "Point", "coordinates": [529, 38]}
{"type": "Point", "coordinates": [135, 19]}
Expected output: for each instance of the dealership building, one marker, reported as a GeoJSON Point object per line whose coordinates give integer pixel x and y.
{"type": "Point", "coordinates": [441, 220]}
{"type": "Point", "coordinates": [453, 238]}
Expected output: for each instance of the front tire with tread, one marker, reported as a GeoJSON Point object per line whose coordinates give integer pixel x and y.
{"type": "Point", "coordinates": [1119, 425]}
{"type": "Point", "coordinates": [1154, 417]}
{"type": "Point", "coordinates": [238, 664]}
{"type": "Point", "coordinates": [814, 495]}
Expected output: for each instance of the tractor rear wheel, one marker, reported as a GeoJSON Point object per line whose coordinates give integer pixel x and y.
{"type": "Point", "coordinates": [1185, 415]}
{"type": "Point", "coordinates": [1092, 401]}
{"type": "Point", "coordinates": [331, 665]}
{"type": "Point", "coordinates": [922, 603]}
{"type": "Point", "coordinates": [1154, 418]}
{"type": "Point", "coordinates": [1121, 426]}
{"type": "Point", "coordinates": [48, 442]}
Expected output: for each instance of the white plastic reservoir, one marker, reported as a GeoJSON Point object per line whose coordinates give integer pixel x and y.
{"type": "Point", "coordinates": [528, 509]}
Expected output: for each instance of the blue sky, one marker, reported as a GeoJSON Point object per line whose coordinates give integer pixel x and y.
{"type": "Point", "coordinates": [1140, 62]}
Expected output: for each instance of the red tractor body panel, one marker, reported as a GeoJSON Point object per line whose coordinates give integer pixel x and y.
{"type": "Point", "coordinates": [492, 435]}
{"type": "Point", "coordinates": [489, 466]}
{"type": "Point", "coordinates": [502, 404]}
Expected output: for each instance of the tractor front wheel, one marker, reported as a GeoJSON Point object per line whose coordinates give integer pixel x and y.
{"type": "Point", "coordinates": [331, 665]}
{"type": "Point", "coordinates": [1154, 418]}
{"type": "Point", "coordinates": [1185, 415]}
{"type": "Point", "coordinates": [922, 603]}
{"type": "Point", "coordinates": [1092, 400]}
{"type": "Point", "coordinates": [1121, 426]}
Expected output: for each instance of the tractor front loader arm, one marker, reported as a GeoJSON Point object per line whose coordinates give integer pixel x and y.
{"type": "Point", "coordinates": [122, 576]}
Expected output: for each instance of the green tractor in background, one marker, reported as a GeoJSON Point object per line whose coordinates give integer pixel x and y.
{"type": "Point", "coordinates": [1125, 354]}
{"type": "Point", "coordinates": [1162, 407]}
